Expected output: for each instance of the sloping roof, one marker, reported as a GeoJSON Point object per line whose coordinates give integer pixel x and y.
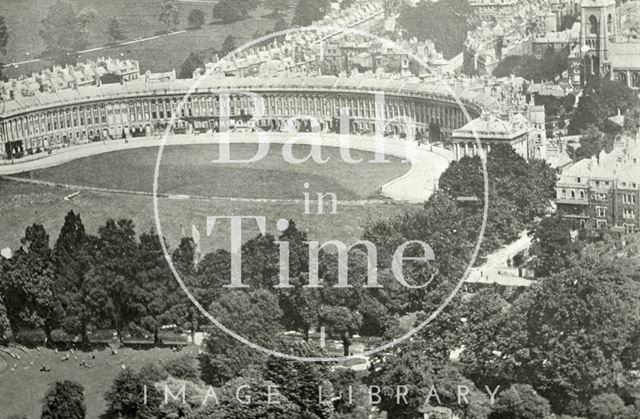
{"type": "Point", "coordinates": [491, 126]}
{"type": "Point", "coordinates": [289, 82]}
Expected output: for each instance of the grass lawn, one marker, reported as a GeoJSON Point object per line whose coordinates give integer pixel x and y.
{"type": "Point", "coordinates": [21, 391]}
{"type": "Point", "coordinates": [139, 19]}
{"type": "Point", "coordinates": [24, 204]}
{"type": "Point", "coordinates": [188, 169]}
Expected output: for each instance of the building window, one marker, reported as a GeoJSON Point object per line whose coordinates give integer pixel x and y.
{"type": "Point", "coordinates": [601, 212]}
{"type": "Point", "coordinates": [593, 25]}
{"type": "Point", "coordinates": [628, 214]}
{"type": "Point", "coordinates": [581, 194]}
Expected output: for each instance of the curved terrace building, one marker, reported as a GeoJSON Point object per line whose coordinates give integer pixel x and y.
{"type": "Point", "coordinates": [31, 124]}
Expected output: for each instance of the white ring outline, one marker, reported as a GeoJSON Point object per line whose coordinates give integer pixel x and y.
{"type": "Point", "coordinates": [244, 340]}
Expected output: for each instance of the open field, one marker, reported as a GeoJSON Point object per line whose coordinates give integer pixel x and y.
{"type": "Point", "coordinates": [24, 204]}
{"type": "Point", "coordinates": [21, 390]}
{"type": "Point", "coordinates": [188, 169]}
{"type": "Point", "coordinates": [139, 19]}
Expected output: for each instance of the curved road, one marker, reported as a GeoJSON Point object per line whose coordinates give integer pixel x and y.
{"type": "Point", "coordinates": [415, 186]}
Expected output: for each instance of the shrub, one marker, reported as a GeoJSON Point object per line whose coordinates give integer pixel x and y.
{"type": "Point", "coordinates": [184, 368]}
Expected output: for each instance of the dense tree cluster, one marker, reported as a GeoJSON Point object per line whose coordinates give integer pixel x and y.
{"type": "Point", "coordinates": [445, 22]}
{"type": "Point", "coordinates": [581, 332]}
{"type": "Point", "coordinates": [65, 32]}
{"type": "Point", "coordinates": [567, 345]}
{"type": "Point", "coordinates": [552, 64]}
{"type": "Point", "coordinates": [85, 283]}
{"type": "Point", "coordinates": [229, 11]}
{"type": "Point", "coordinates": [308, 11]}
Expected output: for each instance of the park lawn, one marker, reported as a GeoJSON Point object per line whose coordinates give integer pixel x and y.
{"type": "Point", "coordinates": [139, 19]}
{"type": "Point", "coordinates": [22, 390]}
{"type": "Point", "coordinates": [25, 204]}
{"type": "Point", "coordinates": [188, 170]}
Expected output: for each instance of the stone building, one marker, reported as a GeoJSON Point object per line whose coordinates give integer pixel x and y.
{"type": "Point", "coordinates": [478, 136]}
{"type": "Point", "coordinates": [604, 191]}
{"type": "Point", "coordinates": [32, 124]}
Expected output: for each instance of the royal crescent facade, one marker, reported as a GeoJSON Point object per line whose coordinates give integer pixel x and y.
{"type": "Point", "coordinates": [45, 121]}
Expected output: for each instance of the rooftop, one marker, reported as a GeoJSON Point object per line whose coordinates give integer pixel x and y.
{"type": "Point", "coordinates": [287, 82]}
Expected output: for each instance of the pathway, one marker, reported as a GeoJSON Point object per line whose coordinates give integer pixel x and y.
{"type": "Point", "coordinates": [496, 271]}
{"type": "Point", "coordinates": [101, 48]}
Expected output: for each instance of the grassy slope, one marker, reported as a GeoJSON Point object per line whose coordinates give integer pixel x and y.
{"type": "Point", "coordinates": [138, 18]}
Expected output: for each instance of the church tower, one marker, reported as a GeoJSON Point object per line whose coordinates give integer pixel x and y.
{"type": "Point", "coordinates": [599, 25]}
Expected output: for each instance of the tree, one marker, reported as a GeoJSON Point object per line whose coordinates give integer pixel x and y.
{"type": "Point", "coordinates": [28, 283]}
{"type": "Point", "coordinates": [73, 262]}
{"type": "Point", "coordinates": [229, 11]}
{"type": "Point", "coordinates": [345, 4]}
{"type": "Point", "coordinates": [154, 290]}
{"type": "Point", "coordinates": [520, 401]}
{"type": "Point", "coordinates": [194, 61]}
{"type": "Point", "coordinates": [552, 64]}
{"type": "Point", "coordinates": [169, 14]}
{"type": "Point", "coordinates": [592, 142]}
{"type": "Point", "coordinates": [446, 22]}
{"type": "Point", "coordinates": [601, 99]}
{"type": "Point", "coordinates": [114, 31]}
{"type": "Point", "coordinates": [484, 320]}
{"type": "Point", "coordinates": [126, 399]}
{"type": "Point", "coordinates": [608, 406]}
{"type": "Point", "coordinates": [280, 25]}
{"type": "Point", "coordinates": [4, 36]}
{"type": "Point", "coordinates": [551, 245]}
{"type": "Point", "coordinates": [299, 381]}
{"type": "Point", "coordinates": [428, 385]}
{"type": "Point", "coordinates": [252, 389]}
{"type": "Point", "coordinates": [113, 275]}
{"type": "Point", "coordinates": [309, 11]}
{"type": "Point", "coordinates": [228, 45]}
{"type": "Point", "coordinates": [530, 186]}
{"type": "Point", "coordinates": [5, 325]}
{"type": "Point", "coordinates": [64, 32]}
{"type": "Point", "coordinates": [254, 315]}
{"type": "Point", "coordinates": [581, 330]}
{"type": "Point", "coordinates": [340, 323]}
{"type": "Point", "coordinates": [64, 400]}
{"type": "Point", "coordinates": [632, 121]}
{"type": "Point", "coordinates": [183, 368]}
{"type": "Point", "coordinates": [278, 6]}
{"type": "Point", "coordinates": [196, 18]}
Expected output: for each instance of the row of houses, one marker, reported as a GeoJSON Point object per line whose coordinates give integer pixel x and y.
{"type": "Point", "coordinates": [71, 76]}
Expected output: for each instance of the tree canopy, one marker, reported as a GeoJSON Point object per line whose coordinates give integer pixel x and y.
{"type": "Point", "coordinates": [65, 32]}
{"type": "Point", "coordinates": [64, 400]}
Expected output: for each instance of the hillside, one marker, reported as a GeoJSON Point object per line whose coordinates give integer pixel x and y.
{"type": "Point", "coordinates": [445, 22]}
